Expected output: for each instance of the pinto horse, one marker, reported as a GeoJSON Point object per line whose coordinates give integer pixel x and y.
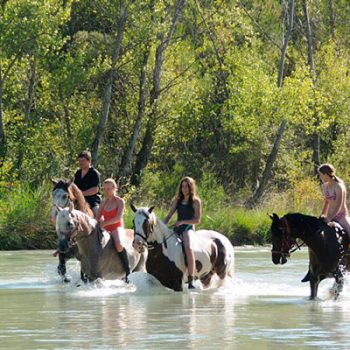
{"type": "Point", "coordinates": [64, 193]}
{"type": "Point", "coordinates": [98, 256]}
{"type": "Point", "coordinates": [213, 252]}
{"type": "Point", "coordinates": [328, 256]}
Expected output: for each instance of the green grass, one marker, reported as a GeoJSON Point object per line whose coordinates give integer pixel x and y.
{"type": "Point", "coordinates": [25, 215]}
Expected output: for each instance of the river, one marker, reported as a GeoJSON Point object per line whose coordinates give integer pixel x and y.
{"type": "Point", "coordinates": [263, 307]}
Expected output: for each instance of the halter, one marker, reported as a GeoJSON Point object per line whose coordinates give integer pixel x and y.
{"type": "Point", "coordinates": [287, 241]}
{"type": "Point", "coordinates": [145, 237]}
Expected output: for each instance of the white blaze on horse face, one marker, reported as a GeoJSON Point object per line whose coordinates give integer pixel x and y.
{"type": "Point", "coordinates": [140, 217]}
{"type": "Point", "coordinates": [59, 198]}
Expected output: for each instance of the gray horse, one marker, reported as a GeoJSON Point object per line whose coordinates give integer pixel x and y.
{"type": "Point", "coordinates": [99, 258]}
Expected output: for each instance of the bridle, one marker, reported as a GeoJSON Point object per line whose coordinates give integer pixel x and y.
{"type": "Point", "coordinates": [288, 242]}
{"type": "Point", "coordinates": [145, 237]}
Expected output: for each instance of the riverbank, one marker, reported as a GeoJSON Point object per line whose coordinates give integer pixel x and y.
{"type": "Point", "coordinates": [240, 226]}
{"type": "Point", "coordinates": [25, 214]}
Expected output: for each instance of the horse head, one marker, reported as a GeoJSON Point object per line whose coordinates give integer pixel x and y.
{"type": "Point", "coordinates": [143, 222]}
{"type": "Point", "coordinates": [60, 193]}
{"type": "Point", "coordinates": [72, 224]}
{"type": "Point", "coordinates": [281, 240]}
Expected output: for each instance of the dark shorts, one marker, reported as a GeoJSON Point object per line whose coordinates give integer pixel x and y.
{"type": "Point", "coordinates": [182, 228]}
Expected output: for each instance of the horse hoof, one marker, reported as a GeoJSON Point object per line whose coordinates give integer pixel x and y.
{"type": "Point", "coordinates": [66, 279]}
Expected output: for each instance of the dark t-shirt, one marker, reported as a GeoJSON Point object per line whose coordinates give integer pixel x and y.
{"type": "Point", "coordinates": [91, 179]}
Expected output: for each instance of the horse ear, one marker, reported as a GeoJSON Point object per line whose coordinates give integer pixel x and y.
{"type": "Point", "coordinates": [151, 209]}
{"type": "Point", "coordinates": [133, 208]}
{"type": "Point", "coordinates": [71, 207]}
{"type": "Point", "coordinates": [54, 182]}
{"type": "Point", "coordinates": [275, 217]}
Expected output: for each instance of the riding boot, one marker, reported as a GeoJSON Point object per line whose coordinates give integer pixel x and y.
{"type": "Point", "coordinates": [306, 277]}
{"type": "Point", "coordinates": [190, 282]}
{"type": "Point", "coordinates": [125, 262]}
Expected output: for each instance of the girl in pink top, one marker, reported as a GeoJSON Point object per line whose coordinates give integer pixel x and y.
{"type": "Point", "coordinates": [334, 190]}
{"type": "Point", "coordinates": [110, 217]}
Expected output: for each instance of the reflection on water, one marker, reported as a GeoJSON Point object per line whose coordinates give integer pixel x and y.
{"type": "Point", "coordinates": [264, 307]}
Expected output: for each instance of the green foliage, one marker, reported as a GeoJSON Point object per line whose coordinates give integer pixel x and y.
{"type": "Point", "coordinates": [25, 221]}
{"type": "Point", "coordinates": [217, 114]}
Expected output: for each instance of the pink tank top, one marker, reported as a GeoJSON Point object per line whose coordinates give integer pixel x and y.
{"type": "Point", "coordinates": [110, 214]}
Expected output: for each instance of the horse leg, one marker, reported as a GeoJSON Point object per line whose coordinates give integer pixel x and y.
{"type": "Point", "coordinates": [314, 282]}
{"type": "Point", "coordinates": [339, 282]}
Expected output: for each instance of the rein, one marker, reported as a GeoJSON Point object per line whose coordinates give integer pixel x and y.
{"type": "Point", "coordinates": [287, 241]}
{"type": "Point", "coordinates": [145, 237]}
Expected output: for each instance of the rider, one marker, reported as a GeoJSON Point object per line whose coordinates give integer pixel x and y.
{"type": "Point", "coordinates": [110, 217]}
{"type": "Point", "coordinates": [188, 207]}
{"type": "Point", "coordinates": [335, 208]}
{"type": "Point", "coordinates": [334, 191]}
{"type": "Point", "coordinates": [87, 178]}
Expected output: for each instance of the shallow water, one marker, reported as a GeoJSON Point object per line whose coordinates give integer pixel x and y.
{"type": "Point", "coordinates": [264, 307]}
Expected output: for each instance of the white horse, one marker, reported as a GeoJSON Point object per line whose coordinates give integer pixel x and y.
{"type": "Point", "coordinates": [213, 252]}
{"type": "Point", "coordinates": [98, 256]}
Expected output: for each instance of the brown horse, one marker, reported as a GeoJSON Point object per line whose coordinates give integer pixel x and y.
{"type": "Point", "coordinates": [328, 252]}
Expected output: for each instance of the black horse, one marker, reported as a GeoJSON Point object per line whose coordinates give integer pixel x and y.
{"type": "Point", "coordinates": [328, 252]}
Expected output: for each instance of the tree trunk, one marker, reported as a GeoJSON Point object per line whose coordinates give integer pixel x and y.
{"type": "Point", "coordinates": [125, 165]}
{"type": "Point", "coordinates": [148, 140]}
{"type": "Point", "coordinates": [316, 141]}
{"type": "Point", "coordinates": [331, 18]}
{"type": "Point", "coordinates": [109, 83]}
{"type": "Point", "coordinates": [261, 188]}
{"type": "Point", "coordinates": [2, 130]}
{"type": "Point", "coordinates": [28, 109]}
{"type": "Point", "coordinates": [285, 44]}
{"type": "Point", "coordinates": [316, 137]}
{"type": "Point", "coordinates": [268, 167]}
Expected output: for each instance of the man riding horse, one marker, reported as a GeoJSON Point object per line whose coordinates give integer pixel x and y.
{"type": "Point", "coordinates": [87, 179]}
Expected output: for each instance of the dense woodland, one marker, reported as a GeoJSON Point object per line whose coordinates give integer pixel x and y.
{"type": "Point", "coordinates": [245, 95]}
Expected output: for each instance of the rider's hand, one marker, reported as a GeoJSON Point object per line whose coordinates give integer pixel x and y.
{"type": "Point", "coordinates": [100, 224]}
{"type": "Point", "coordinates": [178, 223]}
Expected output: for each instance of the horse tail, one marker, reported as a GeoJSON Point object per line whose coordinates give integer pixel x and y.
{"type": "Point", "coordinates": [220, 263]}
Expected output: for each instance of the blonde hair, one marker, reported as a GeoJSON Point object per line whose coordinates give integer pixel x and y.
{"type": "Point", "coordinates": [191, 185]}
{"type": "Point", "coordinates": [112, 182]}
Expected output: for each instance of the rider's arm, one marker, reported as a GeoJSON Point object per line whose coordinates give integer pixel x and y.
{"type": "Point", "coordinates": [338, 203]}
{"type": "Point", "coordinates": [197, 205]}
{"type": "Point", "coordinates": [53, 215]}
{"type": "Point", "coordinates": [171, 211]}
{"type": "Point", "coordinates": [91, 191]}
{"type": "Point", "coordinates": [326, 204]}
{"type": "Point", "coordinates": [100, 210]}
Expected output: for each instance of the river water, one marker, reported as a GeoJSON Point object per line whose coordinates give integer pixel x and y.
{"type": "Point", "coordinates": [263, 307]}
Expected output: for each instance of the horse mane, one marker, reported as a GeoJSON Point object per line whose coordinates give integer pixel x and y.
{"type": "Point", "coordinates": [76, 195]}
{"type": "Point", "coordinates": [312, 222]}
